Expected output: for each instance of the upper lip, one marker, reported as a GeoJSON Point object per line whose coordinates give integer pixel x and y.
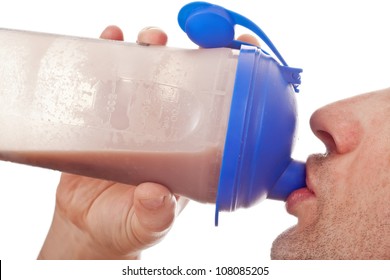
{"type": "Point", "coordinates": [309, 184]}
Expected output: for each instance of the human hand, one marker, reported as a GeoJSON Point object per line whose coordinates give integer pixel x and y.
{"type": "Point", "coordinates": [96, 219]}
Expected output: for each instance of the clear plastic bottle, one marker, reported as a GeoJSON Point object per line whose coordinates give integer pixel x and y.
{"type": "Point", "coordinates": [198, 121]}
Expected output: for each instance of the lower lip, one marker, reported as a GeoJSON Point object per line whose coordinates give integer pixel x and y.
{"type": "Point", "coordinates": [298, 197]}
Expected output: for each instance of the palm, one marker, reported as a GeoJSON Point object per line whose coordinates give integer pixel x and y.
{"type": "Point", "coordinates": [101, 209]}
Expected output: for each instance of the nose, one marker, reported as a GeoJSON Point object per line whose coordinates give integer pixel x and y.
{"type": "Point", "coordinates": [337, 125]}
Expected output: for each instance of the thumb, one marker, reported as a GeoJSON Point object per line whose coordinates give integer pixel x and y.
{"type": "Point", "coordinates": [154, 213]}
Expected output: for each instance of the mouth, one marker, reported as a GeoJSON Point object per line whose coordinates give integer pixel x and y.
{"type": "Point", "coordinates": [298, 197]}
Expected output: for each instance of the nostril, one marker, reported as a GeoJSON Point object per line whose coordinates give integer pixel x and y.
{"type": "Point", "coordinates": [340, 126]}
{"type": "Point", "coordinates": [327, 139]}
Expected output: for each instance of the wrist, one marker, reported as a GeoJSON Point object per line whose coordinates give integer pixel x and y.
{"type": "Point", "coordinates": [66, 241]}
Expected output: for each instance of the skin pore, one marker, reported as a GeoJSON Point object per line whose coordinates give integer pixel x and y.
{"type": "Point", "coordinates": [349, 215]}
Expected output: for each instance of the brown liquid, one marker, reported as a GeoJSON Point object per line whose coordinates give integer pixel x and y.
{"type": "Point", "coordinates": [191, 174]}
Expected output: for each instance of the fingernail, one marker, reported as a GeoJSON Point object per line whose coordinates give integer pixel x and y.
{"type": "Point", "coordinates": [140, 35]}
{"type": "Point", "coordinates": [149, 28]}
{"type": "Point", "coordinates": [153, 203]}
{"type": "Point", "coordinates": [142, 43]}
{"type": "Point", "coordinates": [151, 36]}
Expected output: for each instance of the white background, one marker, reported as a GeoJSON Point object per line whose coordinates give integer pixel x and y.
{"type": "Point", "coordinates": [343, 47]}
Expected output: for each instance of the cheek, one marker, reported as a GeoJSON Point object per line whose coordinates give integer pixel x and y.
{"type": "Point", "coordinates": [371, 162]}
{"type": "Point", "coordinates": [365, 179]}
{"type": "Point", "coordinates": [344, 185]}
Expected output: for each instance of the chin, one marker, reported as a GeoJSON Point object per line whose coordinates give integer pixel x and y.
{"type": "Point", "coordinates": [281, 247]}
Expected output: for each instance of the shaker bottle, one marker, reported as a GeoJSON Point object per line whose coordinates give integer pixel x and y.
{"type": "Point", "coordinates": [215, 125]}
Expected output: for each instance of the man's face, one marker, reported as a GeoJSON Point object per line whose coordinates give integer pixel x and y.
{"type": "Point", "coordinates": [344, 213]}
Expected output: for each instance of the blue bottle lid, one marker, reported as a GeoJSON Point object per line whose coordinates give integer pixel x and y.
{"type": "Point", "coordinates": [257, 160]}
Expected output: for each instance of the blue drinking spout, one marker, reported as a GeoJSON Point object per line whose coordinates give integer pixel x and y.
{"type": "Point", "coordinates": [293, 178]}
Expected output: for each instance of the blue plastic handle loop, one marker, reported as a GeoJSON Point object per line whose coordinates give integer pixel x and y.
{"type": "Point", "coordinates": [212, 26]}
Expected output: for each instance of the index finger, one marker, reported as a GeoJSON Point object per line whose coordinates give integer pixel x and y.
{"type": "Point", "coordinates": [247, 38]}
